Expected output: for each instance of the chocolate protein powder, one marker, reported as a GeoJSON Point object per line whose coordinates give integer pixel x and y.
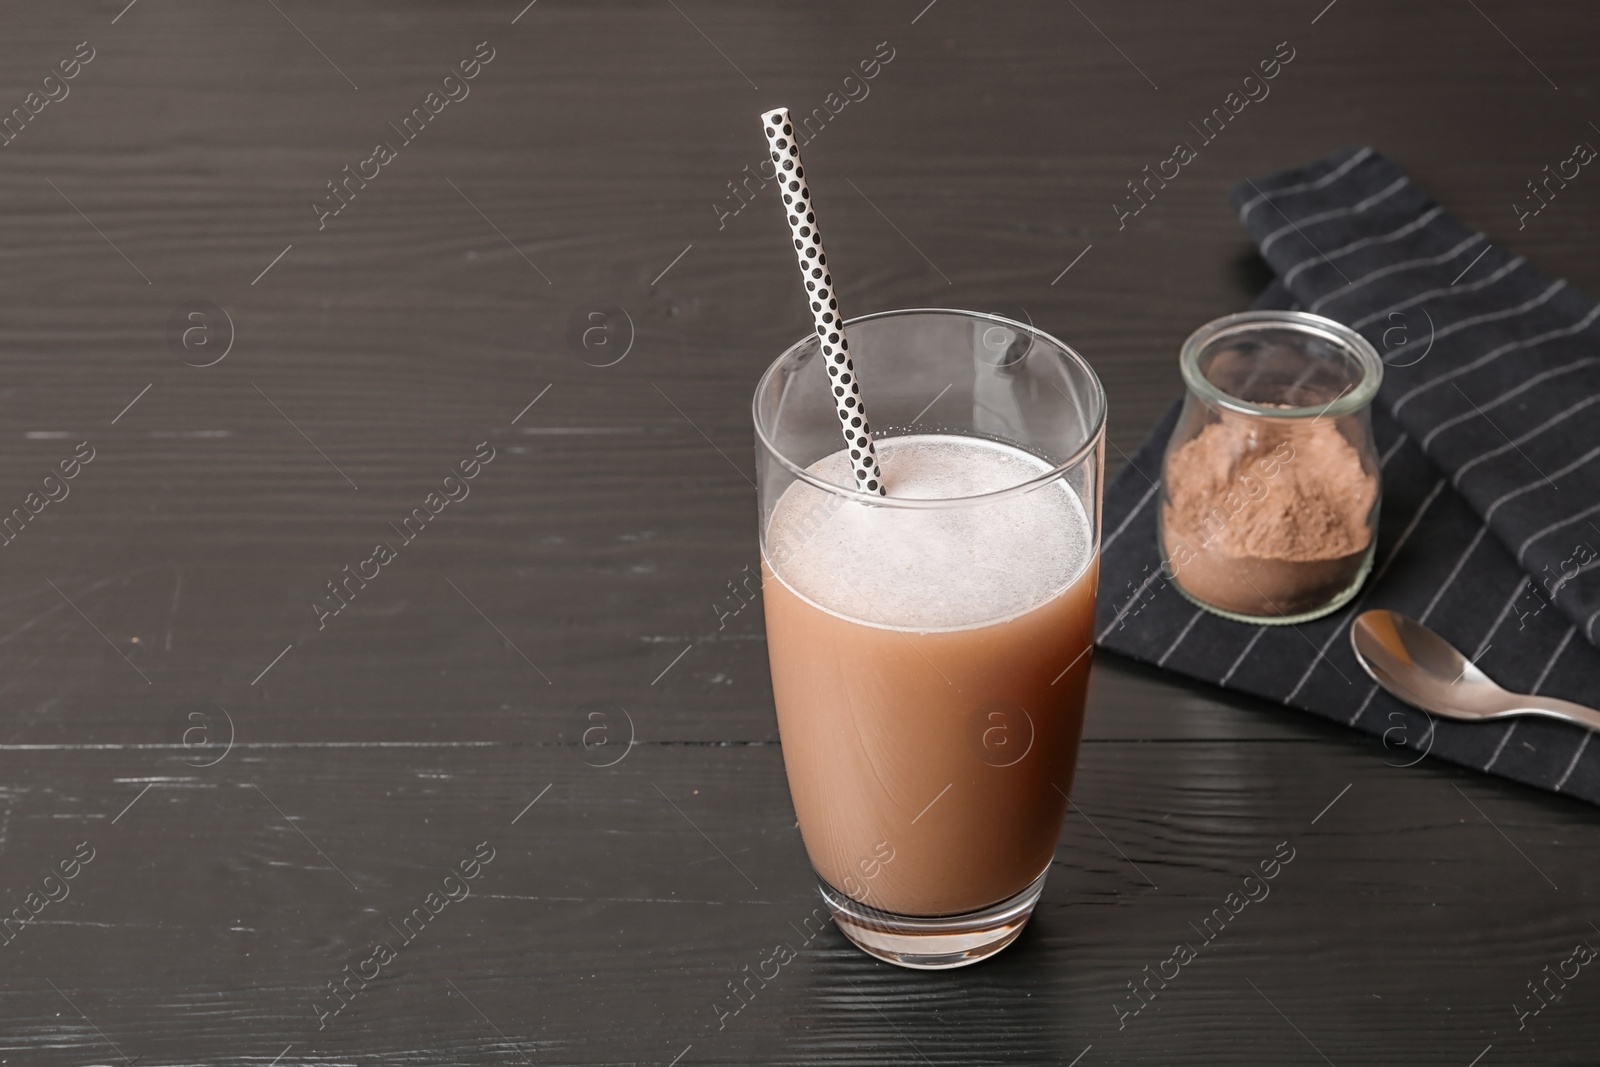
{"type": "Point", "coordinates": [1267, 517]}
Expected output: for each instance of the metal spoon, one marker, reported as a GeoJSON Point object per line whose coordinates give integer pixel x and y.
{"type": "Point", "coordinates": [1422, 668]}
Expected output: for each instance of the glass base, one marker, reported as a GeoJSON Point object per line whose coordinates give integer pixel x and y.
{"type": "Point", "coordinates": [932, 943]}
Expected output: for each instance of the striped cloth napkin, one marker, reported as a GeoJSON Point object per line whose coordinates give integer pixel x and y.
{"type": "Point", "coordinates": [1488, 428]}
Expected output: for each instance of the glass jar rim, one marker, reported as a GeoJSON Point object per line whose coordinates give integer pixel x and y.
{"type": "Point", "coordinates": [1327, 329]}
{"type": "Point", "coordinates": [1084, 451]}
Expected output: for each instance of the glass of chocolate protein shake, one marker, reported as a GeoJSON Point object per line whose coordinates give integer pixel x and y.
{"type": "Point", "coordinates": [930, 646]}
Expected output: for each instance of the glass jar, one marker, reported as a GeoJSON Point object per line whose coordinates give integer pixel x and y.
{"type": "Point", "coordinates": [1270, 484]}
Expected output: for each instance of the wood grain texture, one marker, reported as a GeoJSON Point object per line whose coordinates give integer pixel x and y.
{"type": "Point", "coordinates": [591, 151]}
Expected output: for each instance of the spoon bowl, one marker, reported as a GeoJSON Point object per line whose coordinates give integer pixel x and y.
{"type": "Point", "coordinates": [1423, 669]}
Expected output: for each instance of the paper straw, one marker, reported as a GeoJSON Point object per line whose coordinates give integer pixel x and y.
{"type": "Point", "coordinates": [824, 304]}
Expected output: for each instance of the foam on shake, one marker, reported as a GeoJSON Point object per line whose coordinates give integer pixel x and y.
{"type": "Point", "coordinates": [928, 570]}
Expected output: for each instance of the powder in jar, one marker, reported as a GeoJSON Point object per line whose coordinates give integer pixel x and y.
{"type": "Point", "coordinates": [1267, 517]}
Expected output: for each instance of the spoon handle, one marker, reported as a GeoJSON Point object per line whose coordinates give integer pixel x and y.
{"type": "Point", "coordinates": [1559, 709]}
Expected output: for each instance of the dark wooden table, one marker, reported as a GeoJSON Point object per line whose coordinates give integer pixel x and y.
{"type": "Point", "coordinates": [265, 790]}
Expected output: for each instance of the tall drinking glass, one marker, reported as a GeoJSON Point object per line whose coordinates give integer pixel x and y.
{"type": "Point", "coordinates": [930, 648]}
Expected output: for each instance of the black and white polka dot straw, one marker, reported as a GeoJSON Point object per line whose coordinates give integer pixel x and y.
{"type": "Point", "coordinates": [824, 303]}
